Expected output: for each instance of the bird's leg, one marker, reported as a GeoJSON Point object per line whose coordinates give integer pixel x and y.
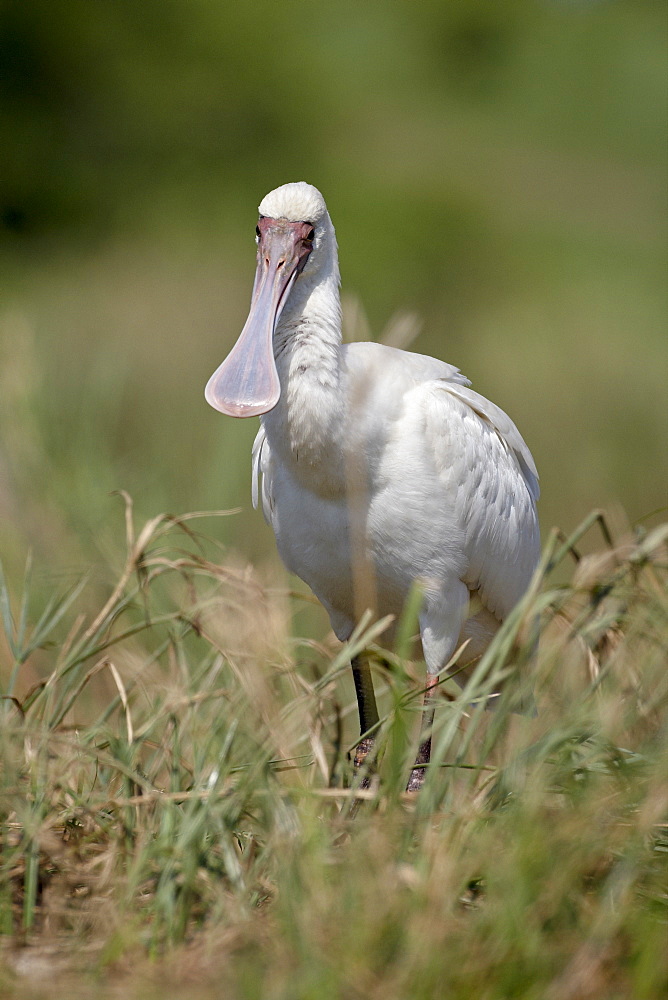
{"type": "Point", "coordinates": [424, 751]}
{"type": "Point", "coordinates": [366, 703]}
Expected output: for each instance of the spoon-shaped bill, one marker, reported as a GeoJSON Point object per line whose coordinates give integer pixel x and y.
{"type": "Point", "coordinates": [247, 384]}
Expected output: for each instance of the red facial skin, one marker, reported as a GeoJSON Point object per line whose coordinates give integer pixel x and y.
{"type": "Point", "coordinates": [246, 384]}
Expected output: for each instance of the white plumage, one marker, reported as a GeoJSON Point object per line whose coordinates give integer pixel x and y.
{"type": "Point", "coordinates": [379, 467]}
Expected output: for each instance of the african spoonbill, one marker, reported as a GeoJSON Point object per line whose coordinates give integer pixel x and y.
{"type": "Point", "coordinates": [375, 467]}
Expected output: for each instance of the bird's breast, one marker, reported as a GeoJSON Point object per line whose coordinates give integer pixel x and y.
{"type": "Point", "coordinates": [360, 525]}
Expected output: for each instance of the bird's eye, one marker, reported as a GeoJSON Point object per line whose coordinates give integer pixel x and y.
{"type": "Point", "coordinates": [257, 234]}
{"type": "Point", "coordinates": [310, 236]}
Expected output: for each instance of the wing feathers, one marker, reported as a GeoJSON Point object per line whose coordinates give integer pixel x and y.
{"type": "Point", "coordinates": [260, 475]}
{"type": "Point", "coordinates": [504, 427]}
{"type": "Point", "coordinates": [489, 482]}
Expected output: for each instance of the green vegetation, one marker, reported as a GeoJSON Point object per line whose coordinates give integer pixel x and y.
{"type": "Point", "coordinates": [175, 815]}
{"type": "Point", "coordinates": [499, 169]}
{"type": "Point", "coordinates": [176, 805]}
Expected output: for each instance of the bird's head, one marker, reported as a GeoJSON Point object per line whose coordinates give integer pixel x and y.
{"type": "Point", "coordinates": [295, 241]}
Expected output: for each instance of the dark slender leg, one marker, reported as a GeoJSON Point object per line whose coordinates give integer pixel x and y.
{"type": "Point", "coordinates": [424, 752]}
{"type": "Point", "coordinates": [366, 703]}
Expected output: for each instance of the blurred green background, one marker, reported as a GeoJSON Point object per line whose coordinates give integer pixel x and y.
{"type": "Point", "coordinates": [498, 168]}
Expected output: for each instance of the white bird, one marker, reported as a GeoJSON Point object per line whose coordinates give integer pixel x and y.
{"type": "Point", "coordinates": [380, 468]}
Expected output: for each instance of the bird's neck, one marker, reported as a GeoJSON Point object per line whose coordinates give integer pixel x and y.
{"type": "Point", "coordinates": [307, 348]}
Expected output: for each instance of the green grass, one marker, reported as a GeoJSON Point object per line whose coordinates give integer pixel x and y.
{"type": "Point", "coordinates": [500, 171]}
{"type": "Point", "coordinates": [177, 813]}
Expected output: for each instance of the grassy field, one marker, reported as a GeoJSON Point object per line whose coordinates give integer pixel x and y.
{"type": "Point", "coordinates": [498, 170]}
{"type": "Point", "coordinates": [178, 817]}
